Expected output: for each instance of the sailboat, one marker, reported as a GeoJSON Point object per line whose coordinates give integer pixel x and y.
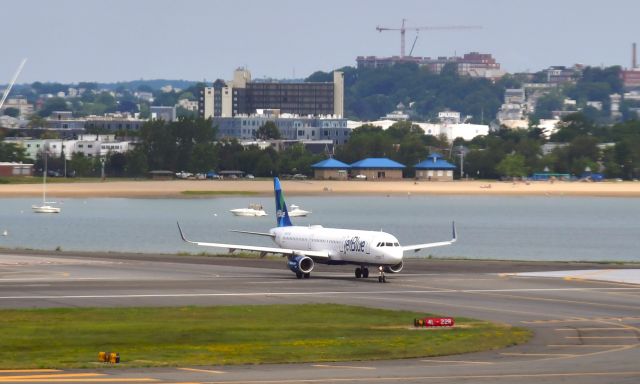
{"type": "Point", "coordinates": [45, 207]}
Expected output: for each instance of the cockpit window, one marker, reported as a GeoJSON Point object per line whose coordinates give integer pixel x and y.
{"type": "Point", "coordinates": [389, 244]}
{"type": "Point", "coordinates": [396, 244]}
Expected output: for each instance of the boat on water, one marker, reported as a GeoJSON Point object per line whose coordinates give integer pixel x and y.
{"type": "Point", "coordinates": [252, 210]}
{"type": "Point", "coordinates": [296, 211]}
{"type": "Point", "coordinates": [46, 206]}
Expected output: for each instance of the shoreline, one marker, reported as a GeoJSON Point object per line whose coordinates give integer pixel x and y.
{"type": "Point", "coordinates": [225, 188]}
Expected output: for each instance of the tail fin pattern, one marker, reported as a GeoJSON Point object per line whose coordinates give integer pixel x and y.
{"type": "Point", "coordinates": [282, 215]}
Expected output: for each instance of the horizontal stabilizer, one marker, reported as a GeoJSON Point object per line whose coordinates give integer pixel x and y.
{"type": "Point", "coordinates": [253, 233]}
{"type": "Point", "coordinates": [275, 250]}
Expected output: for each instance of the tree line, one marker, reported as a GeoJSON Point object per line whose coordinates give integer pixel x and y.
{"type": "Point", "coordinates": [190, 144]}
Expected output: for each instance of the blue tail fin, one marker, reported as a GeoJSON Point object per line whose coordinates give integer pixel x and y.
{"type": "Point", "coordinates": [282, 215]}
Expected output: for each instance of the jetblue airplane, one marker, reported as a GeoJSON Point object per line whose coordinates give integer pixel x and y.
{"type": "Point", "coordinates": [305, 246]}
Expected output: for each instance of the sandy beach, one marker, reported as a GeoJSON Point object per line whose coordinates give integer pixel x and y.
{"type": "Point", "coordinates": [175, 188]}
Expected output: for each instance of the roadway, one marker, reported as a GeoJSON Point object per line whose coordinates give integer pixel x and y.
{"type": "Point", "coordinates": [585, 331]}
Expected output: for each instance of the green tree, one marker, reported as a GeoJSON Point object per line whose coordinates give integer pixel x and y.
{"type": "Point", "coordinates": [82, 165]}
{"type": "Point", "coordinates": [571, 126]}
{"type": "Point", "coordinates": [12, 153]}
{"type": "Point", "coordinates": [53, 104]}
{"type": "Point", "coordinates": [268, 131]}
{"type": "Point", "coordinates": [547, 104]}
{"type": "Point", "coordinates": [512, 165]}
{"type": "Point", "coordinates": [136, 163]}
{"type": "Point", "coordinates": [13, 112]}
{"type": "Point", "coordinates": [204, 157]}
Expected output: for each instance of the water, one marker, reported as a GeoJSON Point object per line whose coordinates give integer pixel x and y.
{"type": "Point", "coordinates": [519, 228]}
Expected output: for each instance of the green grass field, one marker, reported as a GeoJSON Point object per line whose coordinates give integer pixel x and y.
{"type": "Point", "coordinates": [72, 337]}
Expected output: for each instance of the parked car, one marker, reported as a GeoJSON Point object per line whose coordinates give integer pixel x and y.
{"type": "Point", "coordinates": [299, 176]}
{"type": "Point", "coordinates": [361, 177]}
{"type": "Point", "coordinates": [214, 176]}
{"type": "Point", "coordinates": [250, 176]}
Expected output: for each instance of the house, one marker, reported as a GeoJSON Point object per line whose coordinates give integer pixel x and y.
{"type": "Point", "coordinates": [435, 168]}
{"type": "Point", "coordinates": [330, 169]}
{"type": "Point", "coordinates": [374, 168]}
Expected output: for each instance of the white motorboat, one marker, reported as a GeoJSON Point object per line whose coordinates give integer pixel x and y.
{"type": "Point", "coordinates": [46, 206]}
{"type": "Point", "coordinates": [252, 210]}
{"type": "Point", "coordinates": [296, 211]}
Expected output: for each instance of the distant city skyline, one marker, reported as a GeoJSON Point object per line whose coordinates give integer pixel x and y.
{"type": "Point", "coordinates": [69, 41]}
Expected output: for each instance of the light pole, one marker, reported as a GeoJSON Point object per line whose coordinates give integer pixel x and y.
{"type": "Point", "coordinates": [461, 148]}
{"type": "Point", "coordinates": [102, 161]}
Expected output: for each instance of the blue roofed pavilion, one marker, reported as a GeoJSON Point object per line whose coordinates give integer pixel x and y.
{"type": "Point", "coordinates": [435, 168]}
{"type": "Point", "coordinates": [330, 169]}
{"type": "Point", "coordinates": [377, 168]}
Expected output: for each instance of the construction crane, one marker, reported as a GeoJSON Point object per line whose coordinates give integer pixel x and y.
{"type": "Point", "coordinates": [404, 29]}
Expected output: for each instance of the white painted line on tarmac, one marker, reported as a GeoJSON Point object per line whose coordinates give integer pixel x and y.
{"type": "Point", "coordinates": [456, 362]}
{"type": "Point", "coordinates": [601, 337]}
{"type": "Point", "coordinates": [201, 370]}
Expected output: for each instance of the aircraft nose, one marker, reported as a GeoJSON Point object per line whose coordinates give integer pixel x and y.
{"type": "Point", "coordinates": [395, 255]}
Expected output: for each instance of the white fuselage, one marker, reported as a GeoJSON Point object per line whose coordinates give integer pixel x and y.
{"type": "Point", "coordinates": [342, 245]}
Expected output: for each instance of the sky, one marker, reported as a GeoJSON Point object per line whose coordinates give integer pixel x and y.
{"type": "Point", "coordinates": [119, 40]}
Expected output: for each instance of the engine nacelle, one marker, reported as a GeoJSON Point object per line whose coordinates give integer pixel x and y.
{"type": "Point", "coordinates": [394, 268]}
{"type": "Point", "coordinates": [300, 264]}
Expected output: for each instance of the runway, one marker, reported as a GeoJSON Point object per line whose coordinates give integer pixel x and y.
{"type": "Point", "coordinates": [585, 331]}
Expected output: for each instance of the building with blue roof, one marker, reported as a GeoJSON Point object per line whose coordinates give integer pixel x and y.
{"type": "Point", "coordinates": [435, 168]}
{"type": "Point", "coordinates": [330, 169]}
{"type": "Point", "coordinates": [376, 168]}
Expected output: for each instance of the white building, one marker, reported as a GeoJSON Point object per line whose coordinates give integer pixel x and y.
{"type": "Point", "coordinates": [89, 144]}
{"type": "Point", "coordinates": [188, 105]}
{"type": "Point", "coordinates": [19, 103]}
{"type": "Point", "coordinates": [451, 131]}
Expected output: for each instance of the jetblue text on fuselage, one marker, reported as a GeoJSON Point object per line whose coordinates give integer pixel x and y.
{"type": "Point", "coordinates": [354, 245]}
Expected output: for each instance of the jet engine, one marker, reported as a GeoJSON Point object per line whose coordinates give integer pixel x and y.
{"type": "Point", "coordinates": [300, 264]}
{"type": "Point", "coordinates": [394, 268]}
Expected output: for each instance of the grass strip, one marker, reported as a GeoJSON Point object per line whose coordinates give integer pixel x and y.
{"type": "Point", "coordinates": [184, 336]}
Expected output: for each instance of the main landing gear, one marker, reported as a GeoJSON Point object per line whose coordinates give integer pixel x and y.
{"type": "Point", "coordinates": [362, 272]}
{"type": "Point", "coordinates": [299, 275]}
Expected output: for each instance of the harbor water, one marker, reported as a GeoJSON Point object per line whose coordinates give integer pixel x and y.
{"type": "Point", "coordinates": [489, 227]}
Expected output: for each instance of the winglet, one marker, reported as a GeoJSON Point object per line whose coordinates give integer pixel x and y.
{"type": "Point", "coordinates": [455, 237]}
{"type": "Point", "coordinates": [181, 233]}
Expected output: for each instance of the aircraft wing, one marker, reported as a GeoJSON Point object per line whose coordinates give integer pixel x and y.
{"type": "Point", "coordinates": [262, 250]}
{"type": "Point", "coordinates": [417, 247]}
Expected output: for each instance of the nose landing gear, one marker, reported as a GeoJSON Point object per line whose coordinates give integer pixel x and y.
{"type": "Point", "coordinates": [381, 277]}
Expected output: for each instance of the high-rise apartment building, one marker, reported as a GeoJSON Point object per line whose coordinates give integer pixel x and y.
{"type": "Point", "coordinates": [242, 96]}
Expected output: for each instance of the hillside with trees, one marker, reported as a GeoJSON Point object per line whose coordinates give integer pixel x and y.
{"type": "Point", "coordinates": [372, 93]}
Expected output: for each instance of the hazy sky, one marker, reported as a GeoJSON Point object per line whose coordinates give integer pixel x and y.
{"type": "Point", "coordinates": [118, 40]}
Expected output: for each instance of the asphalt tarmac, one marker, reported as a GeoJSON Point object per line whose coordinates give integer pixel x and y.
{"type": "Point", "coordinates": [585, 331]}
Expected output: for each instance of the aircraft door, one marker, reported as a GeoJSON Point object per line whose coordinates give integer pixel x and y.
{"type": "Point", "coordinates": [310, 242]}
